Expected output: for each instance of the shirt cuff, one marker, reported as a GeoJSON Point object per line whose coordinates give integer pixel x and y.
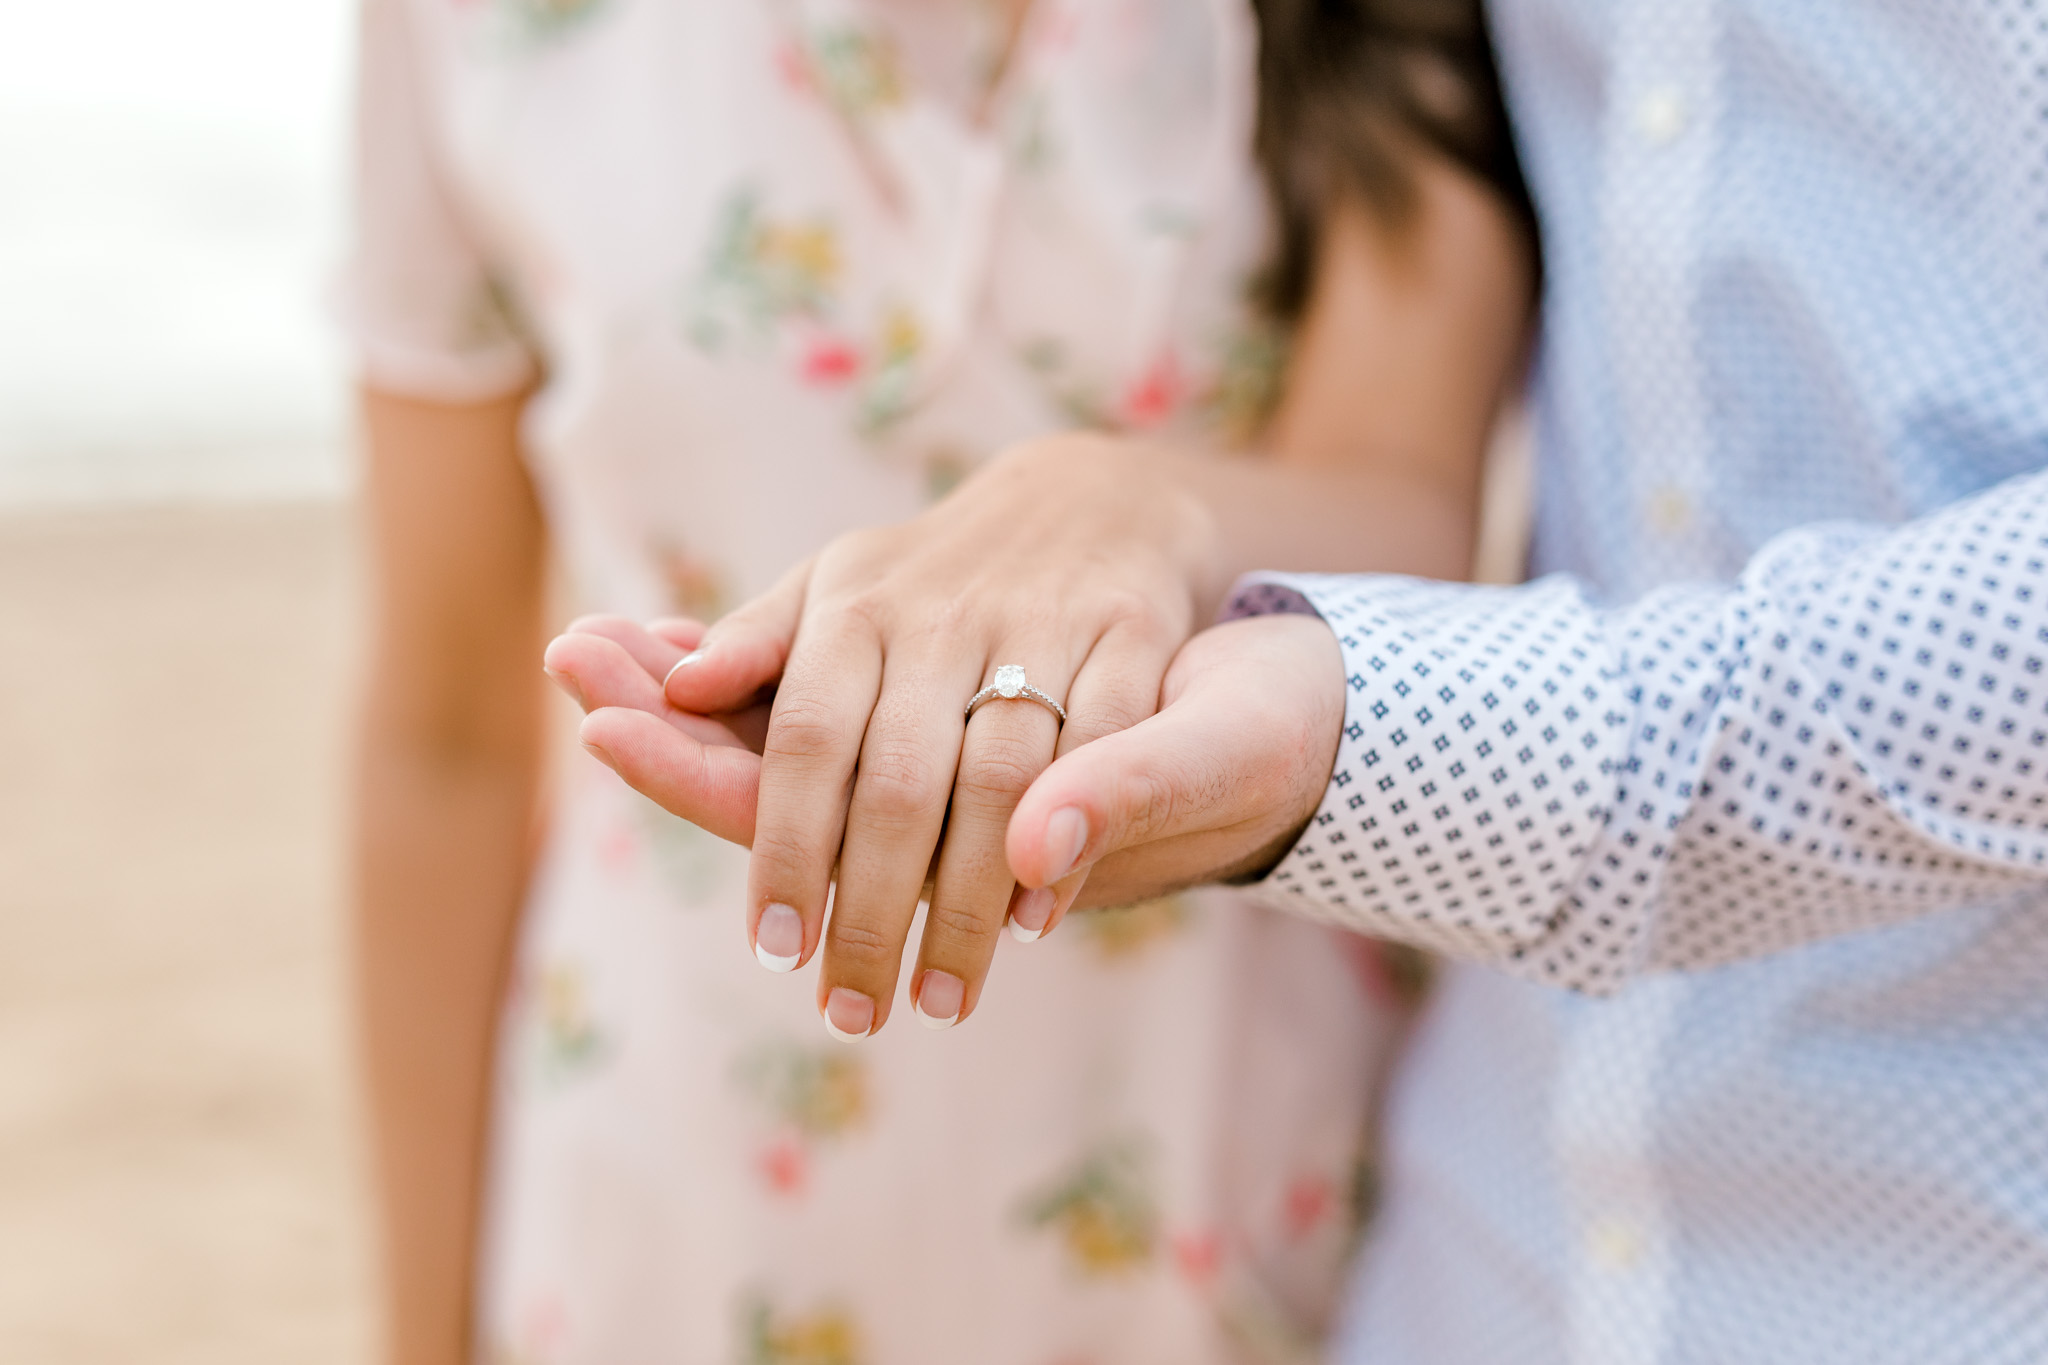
{"type": "Point", "coordinates": [1466, 788]}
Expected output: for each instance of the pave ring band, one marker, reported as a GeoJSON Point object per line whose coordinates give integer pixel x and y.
{"type": "Point", "coordinates": [1010, 684]}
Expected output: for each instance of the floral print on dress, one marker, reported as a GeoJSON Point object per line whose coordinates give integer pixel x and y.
{"type": "Point", "coordinates": [852, 67]}
{"type": "Point", "coordinates": [567, 1040]}
{"type": "Point", "coordinates": [698, 587]}
{"type": "Point", "coordinates": [811, 1095]}
{"type": "Point", "coordinates": [886, 390]}
{"type": "Point", "coordinates": [769, 282]}
{"type": "Point", "coordinates": [944, 470]}
{"type": "Point", "coordinates": [761, 272]}
{"type": "Point", "coordinates": [1248, 382]}
{"type": "Point", "coordinates": [1029, 136]}
{"type": "Point", "coordinates": [1076, 396]}
{"type": "Point", "coordinates": [1124, 931]}
{"type": "Point", "coordinates": [543, 1326]}
{"type": "Point", "coordinates": [535, 21]}
{"type": "Point", "coordinates": [821, 1092]}
{"type": "Point", "coordinates": [694, 867]}
{"type": "Point", "coordinates": [1102, 1209]}
{"type": "Point", "coordinates": [488, 318]}
{"type": "Point", "coordinates": [824, 1336]}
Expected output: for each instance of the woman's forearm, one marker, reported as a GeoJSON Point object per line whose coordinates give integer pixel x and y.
{"type": "Point", "coordinates": [449, 769]}
{"type": "Point", "coordinates": [1268, 514]}
{"type": "Point", "coordinates": [444, 841]}
{"type": "Point", "coordinates": [1374, 461]}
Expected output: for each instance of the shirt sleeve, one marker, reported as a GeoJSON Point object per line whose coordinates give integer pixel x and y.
{"type": "Point", "coordinates": [1853, 734]}
{"type": "Point", "coordinates": [416, 296]}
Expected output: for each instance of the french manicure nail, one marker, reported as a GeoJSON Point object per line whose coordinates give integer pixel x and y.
{"type": "Point", "coordinates": [1031, 913]}
{"type": "Point", "coordinates": [1066, 834]}
{"type": "Point", "coordinates": [567, 684]}
{"type": "Point", "coordinates": [939, 996]}
{"type": "Point", "coordinates": [849, 1015]}
{"type": "Point", "coordinates": [694, 656]}
{"type": "Point", "coordinates": [779, 938]}
{"type": "Point", "coordinates": [600, 755]}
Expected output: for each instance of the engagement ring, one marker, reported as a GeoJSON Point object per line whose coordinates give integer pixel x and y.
{"type": "Point", "coordinates": [1010, 684]}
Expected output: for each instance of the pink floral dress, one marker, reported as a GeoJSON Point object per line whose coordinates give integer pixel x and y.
{"type": "Point", "coordinates": [789, 268]}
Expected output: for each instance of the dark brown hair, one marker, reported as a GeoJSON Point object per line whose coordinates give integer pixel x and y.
{"type": "Point", "coordinates": [1350, 91]}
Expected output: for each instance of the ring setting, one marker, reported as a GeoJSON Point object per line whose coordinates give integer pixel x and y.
{"type": "Point", "coordinates": [1011, 685]}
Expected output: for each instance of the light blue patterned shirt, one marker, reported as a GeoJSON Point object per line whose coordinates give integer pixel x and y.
{"type": "Point", "coordinates": [1738, 823]}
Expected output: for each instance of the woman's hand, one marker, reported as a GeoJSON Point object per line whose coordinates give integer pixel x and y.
{"type": "Point", "coordinates": [706, 769]}
{"type": "Point", "coordinates": [1074, 558]}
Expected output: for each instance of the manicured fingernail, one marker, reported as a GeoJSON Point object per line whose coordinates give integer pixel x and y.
{"type": "Point", "coordinates": [848, 1014]}
{"type": "Point", "coordinates": [1066, 834]}
{"type": "Point", "coordinates": [779, 938]}
{"type": "Point", "coordinates": [567, 684]}
{"type": "Point", "coordinates": [694, 656]}
{"type": "Point", "coordinates": [1031, 913]}
{"type": "Point", "coordinates": [938, 999]}
{"type": "Point", "coordinates": [600, 755]}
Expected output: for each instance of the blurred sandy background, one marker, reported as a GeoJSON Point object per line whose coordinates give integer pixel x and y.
{"type": "Point", "coordinates": [179, 1180]}
{"type": "Point", "coordinates": [179, 1171]}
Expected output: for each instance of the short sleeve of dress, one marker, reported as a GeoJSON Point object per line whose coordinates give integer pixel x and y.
{"type": "Point", "coordinates": [416, 297]}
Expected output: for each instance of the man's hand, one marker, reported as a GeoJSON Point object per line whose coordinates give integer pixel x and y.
{"type": "Point", "coordinates": [1217, 786]}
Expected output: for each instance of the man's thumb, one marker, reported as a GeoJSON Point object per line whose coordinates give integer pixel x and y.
{"type": "Point", "coordinates": [1162, 777]}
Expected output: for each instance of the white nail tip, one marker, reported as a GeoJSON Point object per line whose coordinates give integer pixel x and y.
{"type": "Point", "coordinates": [931, 1022]}
{"type": "Point", "coordinates": [841, 1034]}
{"type": "Point", "coordinates": [689, 658]}
{"type": "Point", "coordinates": [774, 963]}
{"type": "Point", "coordinates": [1023, 935]}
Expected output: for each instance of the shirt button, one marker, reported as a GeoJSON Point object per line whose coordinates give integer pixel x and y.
{"type": "Point", "coordinates": [1614, 1243]}
{"type": "Point", "coordinates": [1661, 115]}
{"type": "Point", "coordinates": [1670, 511]}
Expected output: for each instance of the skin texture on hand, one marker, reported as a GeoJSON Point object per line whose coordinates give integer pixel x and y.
{"type": "Point", "coordinates": [1217, 785]}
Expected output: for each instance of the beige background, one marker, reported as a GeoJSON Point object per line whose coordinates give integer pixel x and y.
{"type": "Point", "coordinates": [179, 1158]}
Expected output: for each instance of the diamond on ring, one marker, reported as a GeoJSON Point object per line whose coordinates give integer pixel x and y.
{"type": "Point", "coordinates": [1010, 685]}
